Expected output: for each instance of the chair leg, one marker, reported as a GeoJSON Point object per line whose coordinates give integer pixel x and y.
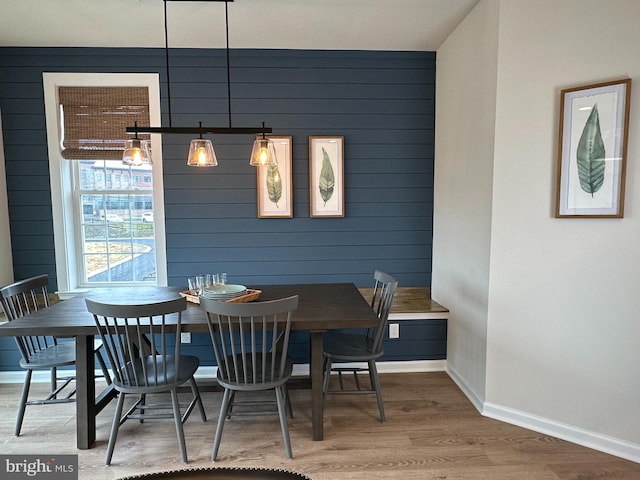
{"type": "Point", "coordinates": [230, 407]}
{"type": "Point", "coordinates": [327, 374]}
{"type": "Point", "coordinates": [114, 428]}
{"type": "Point", "coordinates": [280, 397]}
{"type": "Point", "coordinates": [143, 402]}
{"type": "Point", "coordinates": [196, 394]}
{"type": "Point", "coordinates": [375, 383]}
{"type": "Point", "coordinates": [54, 380]}
{"type": "Point", "coordinates": [224, 407]}
{"type": "Point", "coordinates": [288, 399]}
{"type": "Point", "coordinates": [23, 402]}
{"type": "Point", "coordinates": [177, 417]}
{"type": "Point", "coordinates": [103, 367]}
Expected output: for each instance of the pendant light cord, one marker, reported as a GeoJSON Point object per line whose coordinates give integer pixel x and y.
{"type": "Point", "coordinates": [226, 22]}
{"type": "Point", "coordinates": [166, 58]}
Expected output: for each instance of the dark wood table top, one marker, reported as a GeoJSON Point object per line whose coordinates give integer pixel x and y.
{"type": "Point", "coordinates": [321, 306]}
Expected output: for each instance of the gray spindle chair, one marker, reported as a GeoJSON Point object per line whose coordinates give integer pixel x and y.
{"type": "Point", "coordinates": [143, 347]}
{"type": "Point", "coordinates": [41, 352]}
{"type": "Point", "coordinates": [350, 347]}
{"type": "Point", "coordinates": [250, 342]}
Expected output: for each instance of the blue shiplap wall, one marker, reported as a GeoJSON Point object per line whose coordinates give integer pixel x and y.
{"type": "Point", "coordinates": [381, 102]}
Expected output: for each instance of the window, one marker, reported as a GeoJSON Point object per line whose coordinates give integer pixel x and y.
{"type": "Point", "coordinates": [100, 236]}
{"type": "Point", "coordinates": [117, 244]}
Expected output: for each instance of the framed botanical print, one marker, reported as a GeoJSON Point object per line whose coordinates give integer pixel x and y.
{"type": "Point", "coordinates": [592, 150]}
{"type": "Point", "coordinates": [275, 192]}
{"type": "Point", "coordinates": [326, 176]}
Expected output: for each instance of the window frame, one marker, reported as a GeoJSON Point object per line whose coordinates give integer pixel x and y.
{"type": "Point", "coordinates": [61, 175]}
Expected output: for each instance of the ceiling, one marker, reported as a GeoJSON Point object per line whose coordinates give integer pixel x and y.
{"type": "Point", "coordinates": [289, 24]}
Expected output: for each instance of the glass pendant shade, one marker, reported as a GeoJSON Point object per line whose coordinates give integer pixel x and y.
{"type": "Point", "coordinates": [136, 153]}
{"type": "Point", "coordinates": [201, 153]}
{"type": "Point", "coordinates": [263, 153]}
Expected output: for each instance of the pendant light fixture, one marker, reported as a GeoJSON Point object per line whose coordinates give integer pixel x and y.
{"type": "Point", "coordinates": [201, 152]}
{"type": "Point", "coordinates": [136, 152]}
{"type": "Point", "coordinates": [264, 152]}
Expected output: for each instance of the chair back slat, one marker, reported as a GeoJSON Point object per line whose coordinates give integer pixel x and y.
{"type": "Point", "coordinates": [22, 298]}
{"type": "Point", "coordinates": [142, 341]}
{"type": "Point", "coordinates": [250, 340]}
{"type": "Point", "coordinates": [384, 289]}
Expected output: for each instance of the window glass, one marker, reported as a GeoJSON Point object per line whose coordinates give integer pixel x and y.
{"type": "Point", "coordinates": [117, 232]}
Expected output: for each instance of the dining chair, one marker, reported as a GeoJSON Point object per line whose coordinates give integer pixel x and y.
{"type": "Point", "coordinates": [41, 352]}
{"type": "Point", "coordinates": [366, 347]}
{"type": "Point", "coordinates": [143, 347]}
{"type": "Point", "coordinates": [250, 342]}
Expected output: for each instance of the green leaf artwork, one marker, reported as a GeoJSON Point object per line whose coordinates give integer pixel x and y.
{"type": "Point", "coordinates": [327, 180]}
{"type": "Point", "coordinates": [274, 184]}
{"type": "Point", "coordinates": [590, 154]}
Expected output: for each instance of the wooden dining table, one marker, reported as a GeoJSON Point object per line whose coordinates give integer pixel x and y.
{"type": "Point", "coordinates": [321, 307]}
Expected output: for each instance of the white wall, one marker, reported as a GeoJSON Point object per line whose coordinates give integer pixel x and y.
{"type": "Point", "coordinates": [563, 308]}
{"type": "Point", "coordinates": [464, 151]}
{"type": "Point", "coordinates": [6, 261]}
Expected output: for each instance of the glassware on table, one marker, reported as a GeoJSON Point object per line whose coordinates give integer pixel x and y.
{"type": "Point", "coordinates": [200, 285]}
{"type": "Point", "coordinates": [193, 286]}
{"type": "Point", "coordinates": [196, 284]}
{"type": "Point", "coordinates": [218, 278]}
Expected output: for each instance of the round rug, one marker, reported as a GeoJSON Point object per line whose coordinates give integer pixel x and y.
{"type": "Point", "coordinates": [222, 473]}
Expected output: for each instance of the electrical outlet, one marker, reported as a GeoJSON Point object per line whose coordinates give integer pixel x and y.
{"type": "Point", "coordinates": [394, 330]}
{"type": "Point", "coordinates": [185, 337]}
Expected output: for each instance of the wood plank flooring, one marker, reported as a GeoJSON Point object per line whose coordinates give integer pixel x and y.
{"type": "Point", "coordinates": [432, 432]}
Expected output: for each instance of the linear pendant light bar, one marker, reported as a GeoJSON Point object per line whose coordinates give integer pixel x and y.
{"type": "Point", "coordinates": [136, 129]}
{"type": "Point", "coordinates": [199, 130]}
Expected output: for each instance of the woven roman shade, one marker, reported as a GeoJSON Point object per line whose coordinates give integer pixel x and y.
{"type": "Point", "coordinates": [94, 120]}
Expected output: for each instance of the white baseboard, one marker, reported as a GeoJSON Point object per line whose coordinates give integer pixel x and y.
{"type": "Point", "coordinates": [412, 366]}
{"type": "Point", "coordinates": [298, 370]}
{"type": "Point", "coordinates": [570, 433]}
{"type": "Point", "coordinates": [471, 394]}
{"type": "Point", "coordinates": [383, 367]}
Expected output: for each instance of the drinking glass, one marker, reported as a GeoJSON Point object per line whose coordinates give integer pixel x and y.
{"type": "Point", "coordinates": [222, 278]}
{"type": "Point", "coordinates": [193, 286]}
{"type": "Point", "coordinates": [200, 279]}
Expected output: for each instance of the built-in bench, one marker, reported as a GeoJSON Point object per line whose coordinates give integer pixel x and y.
{"type": "Point", "coordinates": [412, 303]}
{"type": "Point", "coordinates": [421, 327]}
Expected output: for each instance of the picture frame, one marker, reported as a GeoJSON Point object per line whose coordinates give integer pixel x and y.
{"type": "Point", "coordinates": [326, 176]}
{"type": "Point", "coordinates": [275, 188]}
{"type": "Point", "coordinates": [592, 150]}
